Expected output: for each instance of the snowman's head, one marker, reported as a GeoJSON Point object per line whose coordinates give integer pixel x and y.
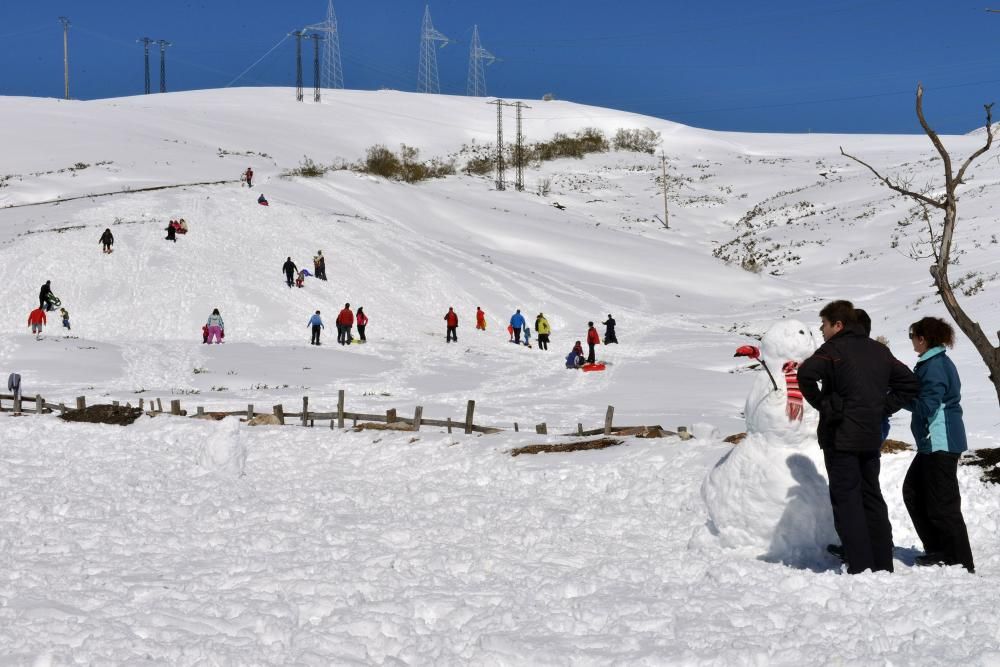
{"type": "Point", "coordinates": [788, 340]}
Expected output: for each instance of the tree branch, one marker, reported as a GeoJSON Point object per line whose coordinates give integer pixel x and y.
{"type": "Point", "coordinates": [989, 142]}
{"type": "Point", "coordinates": [933, 135]}
{"type": "Point", "coordinates": [892, 186]}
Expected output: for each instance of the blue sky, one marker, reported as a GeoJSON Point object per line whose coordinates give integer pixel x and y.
{"type": "Point", "coordinates": [777, 65]}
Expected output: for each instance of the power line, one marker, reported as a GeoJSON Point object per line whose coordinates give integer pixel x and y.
{"type": "Point", "coordinates": [257, 62]}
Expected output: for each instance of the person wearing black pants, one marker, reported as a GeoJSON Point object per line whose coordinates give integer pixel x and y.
{"type": "Point", "coordinates": [862, 383]}
{"type": "Point", "coordinates": [860, 514]}
{"type": "Point", "coordinates": [593, 338]}
{"type": "Point", "coordinates": [932, 498]}
{"type": "Point", "coordinates": [289, 269]}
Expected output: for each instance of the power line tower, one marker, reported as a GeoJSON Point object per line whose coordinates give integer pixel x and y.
{"type": "Point", "coordinates": [163, 63]}
{"type": "Point", "coordinates": [499, 161]}
{"type": "Point", "coordinates": [427, 69]}
{"type": "Point", "coordinates": [298, 63]}
{"type": "Point", "coordinates": [478, 58]}
{"type": "Point", "coordinates": [519, 149]}
{"type": "Point", "coordinates": [146, 41]}
{"type": "Point", "coordinates": [316, 39]}
{"type": "Point", "coordinates": [65, 25]}
{"type": "Point", "coordinates": [333, 74]}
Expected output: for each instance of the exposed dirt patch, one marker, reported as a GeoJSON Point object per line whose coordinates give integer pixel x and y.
{"type": "Point", "coordinates": [891, 446]}
{"type": "Point", "coordinates": [375, 426]}
{"type": "Point", "coordinates": [735, 438]}
{"type": "Point", "coordinates": [988, 459]}
{"type": "Point", "coordinates": [580, 445]}
{"type": "Point", "coordinates": [103, 414]}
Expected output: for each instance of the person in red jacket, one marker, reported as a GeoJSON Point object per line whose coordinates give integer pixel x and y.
{"type": "Point", "coordinates": [480, 319]}
{"type": "Point", "coordinates": [345, 320]}
{"type": "Point", "coordinates": [451, 321]}
{"type": "Point", "coordinates": [36, 320]}
{"type": "Point", "coordinates": [362, 323]}
{"type": "Point", "coordinates": [593, 338]}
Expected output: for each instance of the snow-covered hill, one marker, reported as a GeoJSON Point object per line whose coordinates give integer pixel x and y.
{"type": "Point", "coordinates": [816, 225]}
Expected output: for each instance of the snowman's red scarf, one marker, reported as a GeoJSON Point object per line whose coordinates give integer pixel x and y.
{"type": "Point", "coordinates": [794, 406]}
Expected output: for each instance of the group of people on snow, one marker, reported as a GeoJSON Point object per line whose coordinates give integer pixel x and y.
{"type": "Point", "coordinates": [855, 383]}
{"type": "Point", "coordinates": [346, 319]}
{"type": "Point", "coordinates": [47, 302]}
{"type": "Point", "coordinates": [175, 227]}
{"type": "Point", "coordinates": [520, 334]}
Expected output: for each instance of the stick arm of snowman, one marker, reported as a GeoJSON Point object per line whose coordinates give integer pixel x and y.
{"type": "Point", "coordinates": [753, 352]}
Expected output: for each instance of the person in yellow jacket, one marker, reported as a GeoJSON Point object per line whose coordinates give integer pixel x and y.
{"type": "Point", "coordinates": [542, 330]}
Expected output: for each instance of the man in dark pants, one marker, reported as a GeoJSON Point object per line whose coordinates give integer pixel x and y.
{"type": "Point", "coordinates": [289, 268]}
{"type": "Point", "coordinates": [861, 383]}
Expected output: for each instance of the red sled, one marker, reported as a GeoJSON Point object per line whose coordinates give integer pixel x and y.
{"type": "Point", "coordinates": [592, 367]}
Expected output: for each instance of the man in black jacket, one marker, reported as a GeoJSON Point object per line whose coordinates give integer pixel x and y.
{"type": "Point", "coordinates": [862, 383]}
{"type": "Point", "coordinates": [289, 269]}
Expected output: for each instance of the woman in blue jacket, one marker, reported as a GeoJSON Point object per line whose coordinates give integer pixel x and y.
{"type": "Point", "coordinates": [930, 489]}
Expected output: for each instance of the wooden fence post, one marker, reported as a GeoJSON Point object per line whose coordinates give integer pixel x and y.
{"type": "Point", "coordinates": [541, 429]}
{"type": "Point", "coordinates": [515, 427]}
{"type": "Point", "coordinates": [449, 424]}
{"type": "Point", "coordinates": [340, 408]}
{"type": "Point", "coordinates": [39, 404]}
{"type": "Point", "coordinates": [159, 405]}
{"type": "Point", "coordinates": [140, 404]}
{"type": "Point", "coordinates": [469, 410]}
{"type": "Point", "coordinates": [114, 404]}
{"type": "Point", "coordinates": [249, 411]}
{"type": "Point", "coordinates": [418, 414]}
{"type": "Point", "coordinates": [607, 420]}
{"type": "Point", "coordinates": [200, 410]}
{"type": "Point", "coordinates": [305, 411]}
{"type": "Point", "coordinates": [62, 408]}
{"type": "Point", "coordinates": [175, 407]}
{"type": "Point", "coordinates": [390, 415]}
{"type": "Point", "coordinates": [81, 403]}
{"type": "Point", "coordinates": [17, 403]}
{"type": "Point", "coordinates": [279, 412]}
{"type": "Point", "coordinates": [579, 428]}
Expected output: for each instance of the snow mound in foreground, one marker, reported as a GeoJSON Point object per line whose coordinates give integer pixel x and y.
{"type": "Point", "coordinates": [226, 452]}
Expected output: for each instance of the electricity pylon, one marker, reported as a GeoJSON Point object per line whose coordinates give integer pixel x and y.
{"type": "Point", "coordinates": [65, 25]}
{"type": "Point", "coordinates": [332, 73]}
{"type": "Point", "coordinates": [478, 59]}
{"type": "Point", "coordinates": [316, 38]}
{"type": "Point", "coordinates": [298, 62]}
{"type": "Point", "coordinates": [146, 41]}
{"type": "Point", "coordinates": [427, 69]}
{"type": "Point", "coordinates": [163, 64]}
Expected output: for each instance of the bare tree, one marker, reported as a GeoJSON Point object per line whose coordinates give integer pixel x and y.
{"type": "Point", "coordinates": [941, 241]}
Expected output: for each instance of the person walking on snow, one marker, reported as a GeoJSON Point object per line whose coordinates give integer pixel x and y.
{"type": "Point", "coordinates": [37, 321]}
{"type": "Point", "coordinates": [362, 321]}
{"type": "Point", "coordinates": [248, 177]}
{"type": "Point", "coordinates": [316, 323]}
{"type": "Point", "coordinates": [517, 321]}
{"type": "Point", "coordinates": [609, 331]}
{"type": "Point", "coordinates": [527, 337]}
{"type": "Point", "coordinates": [319, 265]}
{"type": "Point", "coordinates": [65, 318]}
{"type": "Point", "coordinates": [345, 321]}
{"type": "Point", "coordinates": [289, 270]}
{"type": "Point", "coordinates": [107, 240]}
{"type": "Point", "coordinates": [480, 319]}
{"type": "Point", "coordinates": [593, 338]}
{"type": "Point", "coordinates": [542, 329]}
{"type": "Point", "coordinates": [216, 327]}
{"type": "Point", "coordinates": [451, 323]}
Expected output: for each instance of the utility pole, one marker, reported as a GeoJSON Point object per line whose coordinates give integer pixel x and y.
{"type": "Point", "coordinates": [316, 38]}
{"type": "Point", "coordinates": [519, 149]}
{"type": "Point", "coordinates": [146, 41]}
{"type": "Point", "coordinates": [499, 159]}
{"type": "Point", "coordinates": [65, 25]}
{"type": "Point", "coordinates": [666, 215]}
{"type": "Point", "coordinates": [163, 64]}
{"type": "Point", "coordinates": [298, 63]}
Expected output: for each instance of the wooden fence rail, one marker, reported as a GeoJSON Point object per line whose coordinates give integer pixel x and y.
{"type": "Point", "coordinates": [308, 417]}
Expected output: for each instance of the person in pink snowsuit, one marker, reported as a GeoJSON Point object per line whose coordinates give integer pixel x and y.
{"type": "Point", "coordinates": [215, 327]}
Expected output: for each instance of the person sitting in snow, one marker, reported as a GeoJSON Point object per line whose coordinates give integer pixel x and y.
{"type": "Point", "coordinates": [204, 333]}
{"type": "Point", "coordinates": [171, 232]}
{"type": "Point", "coordinates": [301, 278]}
{"type": "Point", "coordinates": [575, 358]}
{"type": "Point", "coordinates": [262, 201]}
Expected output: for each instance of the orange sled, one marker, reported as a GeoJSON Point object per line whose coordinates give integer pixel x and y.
{"type": "Point", "coordinates": [592, 367]}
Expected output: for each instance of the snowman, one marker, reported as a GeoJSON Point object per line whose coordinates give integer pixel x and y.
{"type": "Point", "coordinates": [770, 492]}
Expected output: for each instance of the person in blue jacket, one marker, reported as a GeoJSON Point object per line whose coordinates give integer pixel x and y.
{"type": "Point", "coordinates": [517, 321]}
{"type": "Point", "coordinates": [930, 489]}
{"type": "Point", "coordinates": [317, 324]}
